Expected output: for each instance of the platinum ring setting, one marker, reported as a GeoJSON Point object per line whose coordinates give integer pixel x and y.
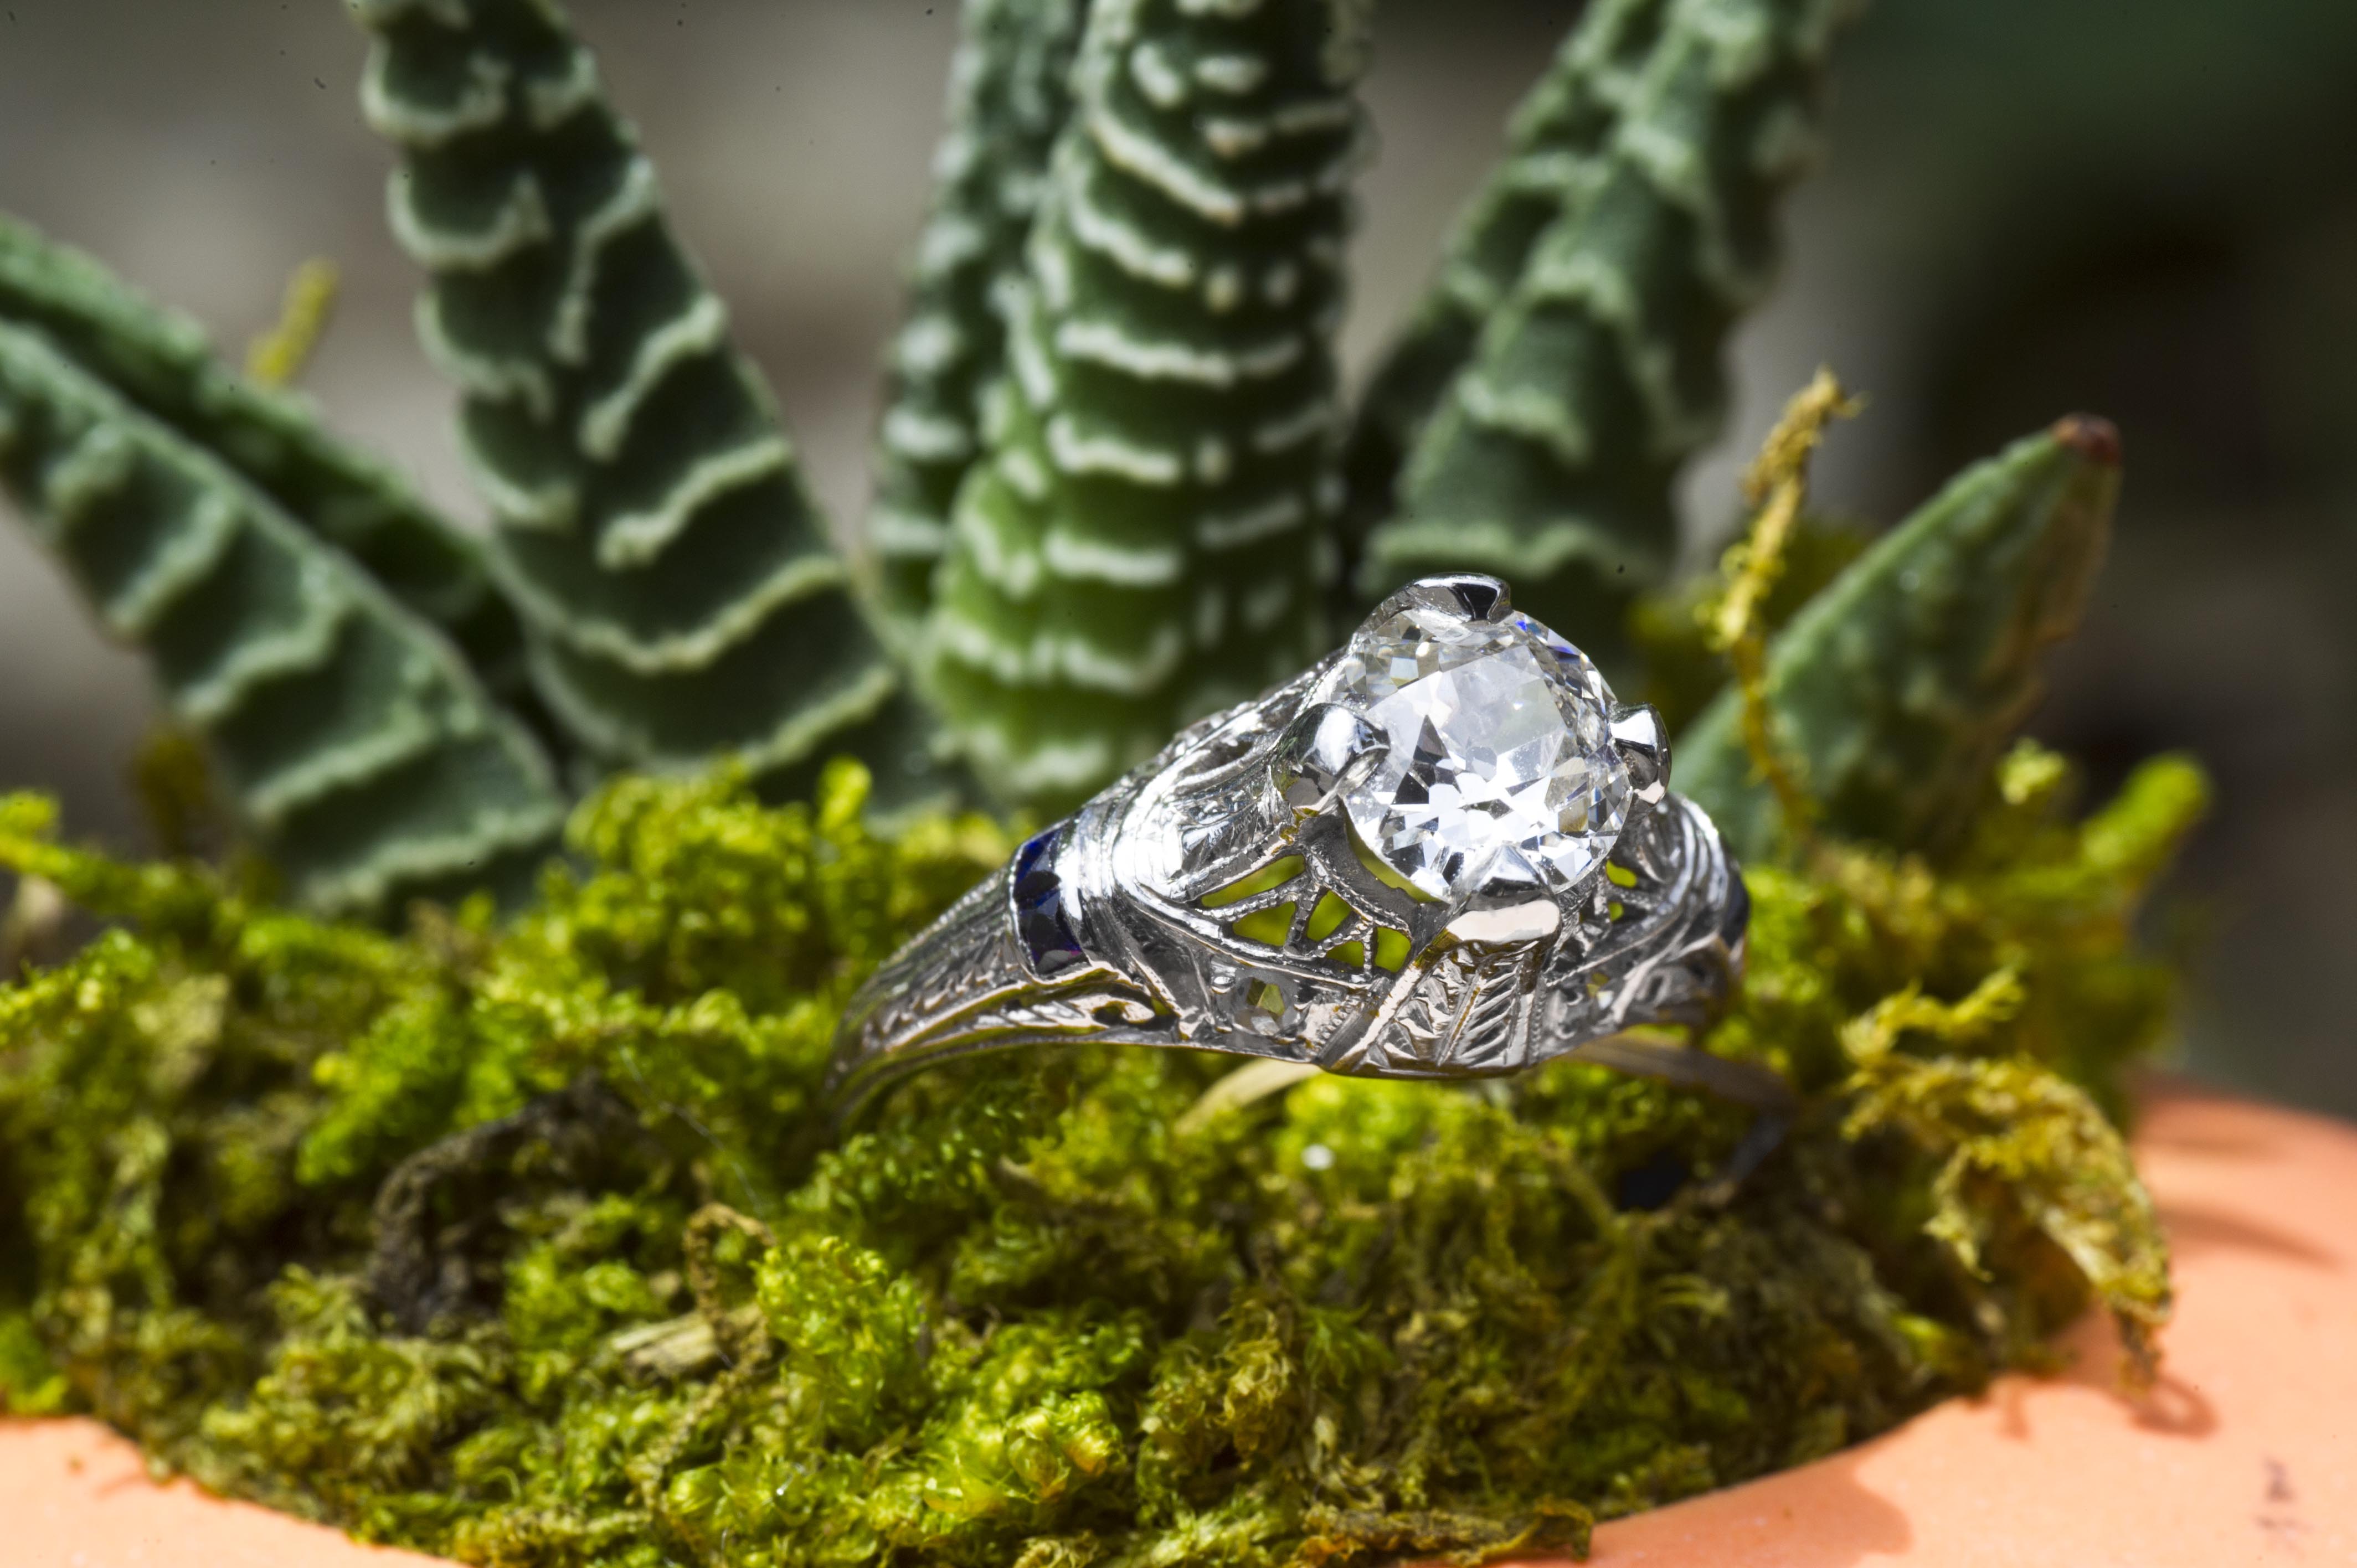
{"type": "Point", "coordinates": [1444, 851]}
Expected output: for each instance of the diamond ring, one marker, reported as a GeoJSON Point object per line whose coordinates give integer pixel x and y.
{"type": "Point", "coordinates": [1445, 851]}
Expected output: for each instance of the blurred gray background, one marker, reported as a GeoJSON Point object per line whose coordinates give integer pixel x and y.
{"type": "Point", "coordinates": [2148, 210]}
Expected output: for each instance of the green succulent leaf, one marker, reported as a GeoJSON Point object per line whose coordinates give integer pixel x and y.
{"type": "Point", "coordinates": [1010, 93]}
{"type": "Point", "coordinates": [679, 595]}
{"type": "Point", "coordinates": [1896, 689]}
{"type": "Point", "coordinates": [1149, 536]}
{"type": "Point", "coordinates": [162, 364]}
{"type": "Point", "coordinates": [1556, 147]}
{"type": "Point", "coordinates": [1551, 459]}
{"type": "Point", "coordinates": [359, 748]}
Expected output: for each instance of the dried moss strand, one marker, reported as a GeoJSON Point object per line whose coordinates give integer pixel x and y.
{"type": "Point", "coordinates": [1146, 539]}
{"type": "Point", "coordinates": [1990, 1123]}
{"type": "Point", "coordinates": [1009, 95]}
{"type": "Point", "coordinates": [1898, 686]}
{"type": "Point", "coordinates": [1777, 484]}
{"type": "Point", "coordinates": [161, 364]}
{"type": "Point", "coordinates": [1551, 460]}
{"type": "Point", "coordinates": [653, 527]}
{"type": "Point", "coordinates": [355, 744]}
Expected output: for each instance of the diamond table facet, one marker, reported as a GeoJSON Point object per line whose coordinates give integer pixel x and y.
{"type": "Point", "coordinates": [1500, 765]}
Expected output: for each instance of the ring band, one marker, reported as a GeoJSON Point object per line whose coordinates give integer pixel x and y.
{"type": "Point", "coordinates": [1445, 851]}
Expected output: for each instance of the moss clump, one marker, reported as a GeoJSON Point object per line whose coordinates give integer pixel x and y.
{"type": "Point", "coordinates": [525, 1245]}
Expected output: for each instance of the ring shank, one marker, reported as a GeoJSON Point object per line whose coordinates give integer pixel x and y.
{"type": "Point", "coordinates": [1218, 898]}
{"type": "Point", "coordinates": [995, 972]}
{"type": "Point", "coordinates": [964, 985]}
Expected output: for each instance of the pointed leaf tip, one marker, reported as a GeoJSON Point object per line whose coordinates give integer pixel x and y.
{"type": "Point", "coordinates": [2091, 436]}
{"type": "Point", "coordinates": [1898, 686]}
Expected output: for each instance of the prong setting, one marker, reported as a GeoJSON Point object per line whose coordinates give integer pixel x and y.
{"type": "Point", "coordinates": [1508, 909]}
{"type": "Point", "coordinates": [1498, 756]}
{"type": "Point", "coordinates": [1320, 752]}
{"type": "Point", "coordinates": [1644, 746]}
{"type": "Point", "coordinates": [1533, 921]}
{"type": "Point", "coordinates": [1468, 594]}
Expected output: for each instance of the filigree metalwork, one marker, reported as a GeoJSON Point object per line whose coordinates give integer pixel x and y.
{"type": "Point", "coordinates": [1122, 924]}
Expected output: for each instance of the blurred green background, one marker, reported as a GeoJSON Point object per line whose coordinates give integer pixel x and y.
{"type": "Point", "coordinates": [2146, 210]}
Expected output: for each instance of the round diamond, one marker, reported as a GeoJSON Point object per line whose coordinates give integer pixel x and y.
{"type": "Point", "coordinates": [1502, 762]}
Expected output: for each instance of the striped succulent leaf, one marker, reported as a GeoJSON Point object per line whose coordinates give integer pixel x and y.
{"type": "Point", "coordinates": [162, 364]}
{"type": "Point", "coordinates": [1009, 95]}
{"type": "Point", "coordinates": [1554, 155]}
{"type": "Point", "coordinates": [1150, 535]}
{"type": "Point", "coordinates": [1551, 459]}
{"type": "Point", "coordinates": [357, 747]}
{"type": "Point", "coordinates": [1897, 687]}
{"type": "Point", "coordinates": [680, 598]}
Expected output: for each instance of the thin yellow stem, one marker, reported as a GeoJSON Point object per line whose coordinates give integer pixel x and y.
{"type": "Point", "coordinates": [1777, 486]}
{"type": "Point", "coordinates": [277, 357]}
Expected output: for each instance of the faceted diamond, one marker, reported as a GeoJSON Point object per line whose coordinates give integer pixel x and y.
{"type": "Point", "coordinates": [1502, 762]}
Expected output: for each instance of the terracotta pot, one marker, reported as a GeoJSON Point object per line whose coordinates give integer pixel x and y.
{"type": "Point", "coordinates": [2246, 1453]}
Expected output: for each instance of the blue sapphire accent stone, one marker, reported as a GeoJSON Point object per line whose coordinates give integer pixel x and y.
{"type": "Point", "coordinates": [1041, 923]}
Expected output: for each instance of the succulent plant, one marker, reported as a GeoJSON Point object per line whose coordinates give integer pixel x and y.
{"type": "Point", "coordinates": [162, 365]}
{"type": "Point", "coordinates": [1149, 537]}
{"type": "Point", "coordinates": [1010, 92]}
{"type": "Point", "coordinates": [359, 744]}
{"type": "Point", "coordinates": [678, 594]}
{"type": "Point", "coordinates": [1117, 482]}
{"type": "Point", "coordinates": [1534, 417]}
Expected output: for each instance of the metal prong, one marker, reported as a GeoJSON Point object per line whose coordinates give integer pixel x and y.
{"type": "Point", "coordinates": [1469, 593]}
{"type": "Point", "coordinates": [1526, 922]}
{"type": "Point", "coordinates": [1510, 907]}
{"type": "Point", "coordinates": [1644, 747]}
{"type": "Point", "coordinates": [1316, 753]}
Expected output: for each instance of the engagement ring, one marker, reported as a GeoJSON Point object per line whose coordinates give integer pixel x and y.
{"type": "Point", "coordinates": [1445, 851]}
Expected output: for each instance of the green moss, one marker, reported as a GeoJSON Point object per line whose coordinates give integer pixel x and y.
{"type": "Point", "coordinates": [526, 1244]}
{"type": "Point", "coordinates": [29, 1384]}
